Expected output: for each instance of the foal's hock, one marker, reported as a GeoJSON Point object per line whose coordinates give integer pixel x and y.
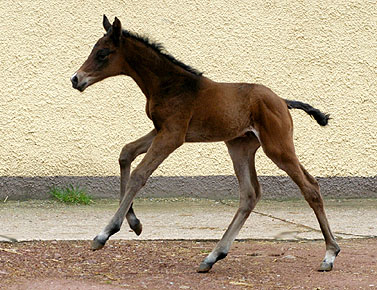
{"type": "Point", "coordinates": [185, 106]}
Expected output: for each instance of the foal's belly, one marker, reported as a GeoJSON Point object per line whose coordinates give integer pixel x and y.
{"type": "Point", "coordinates": [221, 113]}
{"type": "Point", "coordinates": [211, 130]}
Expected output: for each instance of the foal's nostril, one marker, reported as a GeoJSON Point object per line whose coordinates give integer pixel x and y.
{"type": "Point", "coordinates": [74, 81]}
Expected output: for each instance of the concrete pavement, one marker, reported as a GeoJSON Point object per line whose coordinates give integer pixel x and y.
{"type": "Point", "coordinates": [185, 219]}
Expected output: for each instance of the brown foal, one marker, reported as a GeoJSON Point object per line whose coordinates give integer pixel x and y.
{"type": "Point", "coordinates": [188, 107]}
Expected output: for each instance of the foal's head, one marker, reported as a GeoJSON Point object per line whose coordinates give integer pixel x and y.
{"type": "Point", "coordinates": [105, 60]}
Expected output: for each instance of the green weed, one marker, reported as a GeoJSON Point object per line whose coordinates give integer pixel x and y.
{"type": "Point", "coordinates": [71, 194]}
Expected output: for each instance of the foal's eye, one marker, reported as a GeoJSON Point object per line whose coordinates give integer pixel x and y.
{"type": "Point", "coordinates": [102, 54]}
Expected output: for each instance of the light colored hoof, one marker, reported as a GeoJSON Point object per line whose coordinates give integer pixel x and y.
{"type": "Point", "coordinates": [204, 267]}
{"type": "Point", "coordinates": [325, 267]}
{"type": "Point", "coordinates": [97, 245]}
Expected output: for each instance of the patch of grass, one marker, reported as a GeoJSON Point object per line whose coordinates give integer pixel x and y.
{"type": "Point", "coordinates": [71, 194]}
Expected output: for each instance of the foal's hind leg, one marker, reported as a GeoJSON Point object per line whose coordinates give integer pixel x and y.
{"type": "Point", "coordinates": [279, 147]}
{"type": "Point", "coordinates": [242, 151]}
{"type": "Point", "coordinates": [128, 154]}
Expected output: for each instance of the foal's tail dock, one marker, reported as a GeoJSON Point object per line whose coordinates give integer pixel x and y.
{"type": "Point", "coordinates": [320, 117]}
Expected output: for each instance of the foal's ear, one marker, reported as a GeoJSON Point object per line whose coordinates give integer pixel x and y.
{"type": "Point", "coordinates": [116, 31]}
{"type": "Point", "coordinates": [106, 23]}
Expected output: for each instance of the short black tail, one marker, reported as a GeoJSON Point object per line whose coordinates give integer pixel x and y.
{"type": "Point", "coordinates": [320, 117]}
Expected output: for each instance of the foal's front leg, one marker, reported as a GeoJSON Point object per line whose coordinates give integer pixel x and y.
{"type": "Point", "coordinates": [163, 144]}
{"type": "Point", "coordinates": [128, 154]}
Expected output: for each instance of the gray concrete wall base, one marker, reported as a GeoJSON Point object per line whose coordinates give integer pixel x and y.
{"type": "Point", "coordinates": [214, 187]}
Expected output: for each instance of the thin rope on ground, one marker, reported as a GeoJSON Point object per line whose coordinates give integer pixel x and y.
{"type": "Point", "coordinates": [302, 225]}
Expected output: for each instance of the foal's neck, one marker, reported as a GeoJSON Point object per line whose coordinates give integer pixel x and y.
{"type": "Point", "coordinates": [154, 73]}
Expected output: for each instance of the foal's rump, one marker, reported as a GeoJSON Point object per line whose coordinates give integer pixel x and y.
{"type": "Point", "coordinates": [265, 102]}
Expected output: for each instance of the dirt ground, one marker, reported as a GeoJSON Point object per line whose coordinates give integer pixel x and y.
{"type": "Point", "coordinates": [172, 265]}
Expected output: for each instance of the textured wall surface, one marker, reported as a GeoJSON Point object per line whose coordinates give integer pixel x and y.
{"type": "Point", "coordinates": [321, 52]}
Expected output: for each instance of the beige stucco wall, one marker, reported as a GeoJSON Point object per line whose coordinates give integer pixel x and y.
{"type": "Point", "coordinates": [321, 52]}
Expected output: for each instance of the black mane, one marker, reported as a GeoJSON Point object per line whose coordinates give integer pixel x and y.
{"type": "Point", "coordinates": [159, 48]}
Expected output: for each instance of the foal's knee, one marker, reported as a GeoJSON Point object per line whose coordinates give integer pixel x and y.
{"type": "Point", "coordinates": [137, 180]}
{"type": "Point", "coordinates": [126, 156]}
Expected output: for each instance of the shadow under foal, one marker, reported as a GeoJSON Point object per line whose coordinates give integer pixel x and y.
{"type": "Point", "coordinates": [185, 106]}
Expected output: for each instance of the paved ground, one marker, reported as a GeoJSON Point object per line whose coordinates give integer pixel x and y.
{"type": "Point", "coordinates": [189, 219]}
{"type": "Point", "coordinates": [162, 264]}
